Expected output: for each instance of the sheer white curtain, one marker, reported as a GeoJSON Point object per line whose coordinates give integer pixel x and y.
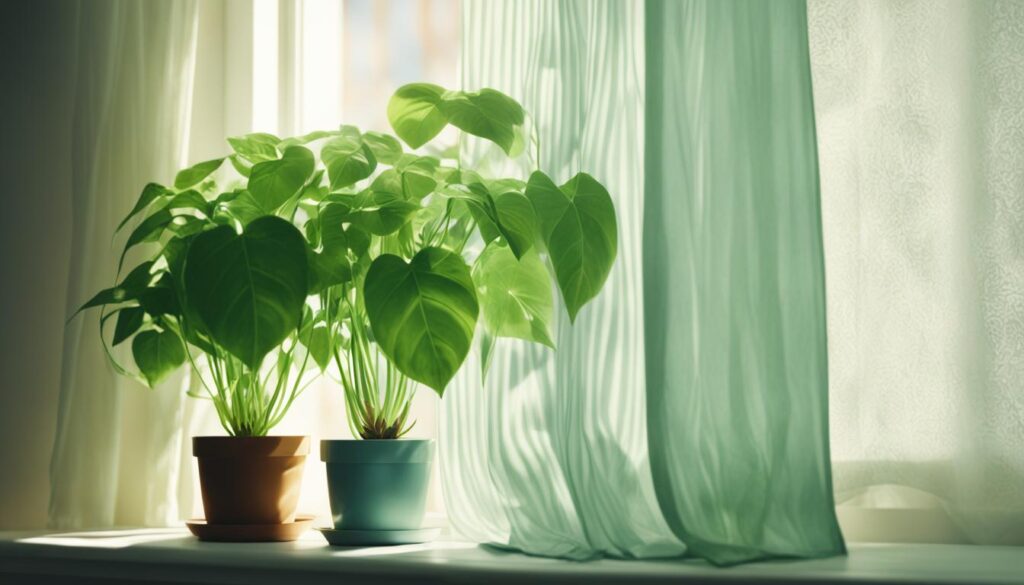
{"type": "Point", "coordinates": [920, 114]}
{"type": "Point", "coordinates": [118, 445]}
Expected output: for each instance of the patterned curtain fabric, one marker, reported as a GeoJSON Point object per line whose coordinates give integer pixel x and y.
{"type": "Point", "coordinates": [686, 409]}
{"type": "Point", "coordinates": [920, 110]}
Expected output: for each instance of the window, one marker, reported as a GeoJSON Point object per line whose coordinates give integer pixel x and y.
{"type": "Point", "coordinates": [293, 66]}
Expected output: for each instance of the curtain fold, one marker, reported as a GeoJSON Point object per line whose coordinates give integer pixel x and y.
{"type": "Point", "coordinates": [689, 402]}
{"type": "Point", "coordinates": [734, 283]}
{"type": "Point", "coordinates": [921, 126]}
{"type": "Point", "coordinates": [549, 455]}
{"type": "Point", "coordinates": [118, 445]}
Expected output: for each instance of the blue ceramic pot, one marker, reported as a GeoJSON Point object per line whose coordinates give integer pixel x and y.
{"type": "Point", "coordinates": [378, 484]}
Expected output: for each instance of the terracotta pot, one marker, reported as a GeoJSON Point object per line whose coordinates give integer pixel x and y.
{"type": "Point", "coordinates": [250, 480]}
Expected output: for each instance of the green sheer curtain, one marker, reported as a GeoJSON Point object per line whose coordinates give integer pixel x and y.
{"type": "Point", "coordinates": [734, 283]}
{"type": "Point", "coordinates": [686, 410]}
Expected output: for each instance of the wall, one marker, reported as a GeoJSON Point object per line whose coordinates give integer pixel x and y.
{"type": "Point", "coordinates": [36, 106]}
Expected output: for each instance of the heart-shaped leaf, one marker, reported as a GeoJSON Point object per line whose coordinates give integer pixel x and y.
{"type": "Point", "coordinates": [274, 182]}
{"type": "Point", "coordinates": [348, 160]}
{"type": "Point", "coordinates": [157, 354]}
{"type": "Point", "coordinates": [248, 289]}
{"type": "Point", "coordinates": [515, 294]}
{"type": "Point", "coordinates": [317, 340]}
{"type": "Point", "coordinates": [255, 148]}
{"type": "Point", "coordinates": [422, 313]}
{"type": "Point", "coordinates": [577, 223]}
{"type": "Point", "coordinates": [415, 114]}
{"type": "Point", "coordinates": [487, 113]}
{"type": "Point", "coordinates": [240, 206]}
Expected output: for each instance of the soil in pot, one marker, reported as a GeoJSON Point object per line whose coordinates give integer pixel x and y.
{"type": "Point", "coordinates": [378, 484]}
{"type": "Point", "coordinates": [250, 480]}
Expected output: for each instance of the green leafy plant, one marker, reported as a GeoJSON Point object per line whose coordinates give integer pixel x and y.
{"type": "Point", "coordinates": [432, 249]}
{"type": "Point", "coordinates": [222, 285]}
{"type": "Point", "coordinates": [341, 249]}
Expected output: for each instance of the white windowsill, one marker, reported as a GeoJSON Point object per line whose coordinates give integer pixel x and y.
{"type": "Point", "coordinates": [170, 555]}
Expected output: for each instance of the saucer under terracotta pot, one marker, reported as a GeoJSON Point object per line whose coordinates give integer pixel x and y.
{"type": "Point", "coordinates": [250, 480]}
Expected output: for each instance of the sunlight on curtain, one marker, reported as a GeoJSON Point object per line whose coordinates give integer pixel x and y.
{"type": "Point", "coordinates": [549, 456]}
{"type": "Point", "coordinates": [919, 108]}
{"type": "Point", "coordinates": [116, 456]}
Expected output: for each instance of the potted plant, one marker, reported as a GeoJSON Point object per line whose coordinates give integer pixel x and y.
{"type": "Point", "coordinates": [431, 250]}
{"type": "Point", "coordinates": [221, 286]}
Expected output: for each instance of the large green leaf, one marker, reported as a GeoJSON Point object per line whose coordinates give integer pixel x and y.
{"type": "Point", "coordinates": [516, 221]}
{"type": "Point", "coordinates": [274, 182]}
{"type": "Point", "coordinates": [487, 113]}
{"type": "Point", "coordinates": [240, 206]}
{"type": "Point", "coordinates": [348, 160]}
{"type": "Point", "coordinates": [317, 340]}
{"type": "Point", "coordinates": [257, 147]}
{"type": "Point", "coordinates": [249, 288]}
{"type": "Point", "coordinates": [415, 113]}
{"type": "Point", "coordinates": [157, 354]}
{"type": "Point", "coordinates": [515, 294]}
{"type": "Point", "coordinates": [196, 173]}
{"type": "Point", "coordinates": [422, 313]}
{"type": "Point", "coordinates": [577, 224]}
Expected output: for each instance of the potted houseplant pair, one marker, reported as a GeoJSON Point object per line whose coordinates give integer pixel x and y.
{"type": "Point", "coordinates": [340, 251]}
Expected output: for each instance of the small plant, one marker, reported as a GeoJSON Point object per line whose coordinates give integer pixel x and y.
{"type": "Point", "coordinates": [340, 248]}
{"type": "Point", "coordinates": [399, 227]}
{"type": "Point", "coordinates": [223, 286]}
